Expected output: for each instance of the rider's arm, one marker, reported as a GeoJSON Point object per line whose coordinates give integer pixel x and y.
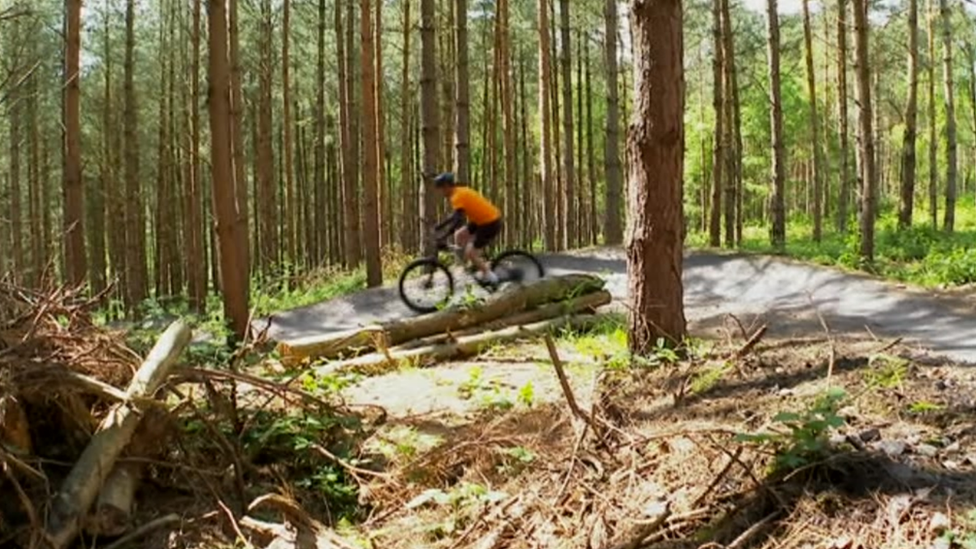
{"type": "Point", "coordinates": [450, 224]}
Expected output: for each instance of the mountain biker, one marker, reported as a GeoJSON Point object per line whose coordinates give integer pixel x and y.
{"type": "Point", "coordinates": [484, 222]}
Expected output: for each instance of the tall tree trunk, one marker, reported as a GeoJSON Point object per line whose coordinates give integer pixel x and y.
{"type": "Point", "coordinates": [37, 245]}
{"type": "Point", "coordinates": [350, 238]}
{"type": "Point", "coordinates": [933, 123]}
{"type": "Point", "coordinates": [291, 236]}
{"type": "Point", "coordinates": [733, 191]}
{"type": "Point", "coordinates": [134, 212]}
{"type": "Point", "coordinates": [777, 233]}
{"type": "Point", "coordinates": [462, 126]}
{"type": "Point", "coordinates": [371, 169]}
{"type": "Point", "coordinates": [266, 188]}
{"type": "Point", "coordinates": [379, 83]}
{"type": "Point", "coordinates": [866, 156]}
{"type": "Point", "coordinates": [529, 191]}
{"type": "Point", "coordinates": [74, 206]}
{"type": "Point", "coordinates": [196, 273]}
{"type": "Point", "coordinates": [351, 174]}
{"type": "Point", "coordinates": [115, 190]}
{"type": "Point", "coordinates": [911, 118]}
{"type": "Point", "coordinates": [590, 158]}
{"type": "Point", "coordinates": [234, 283]}
{"type": "Point", "coordinates": [612, 227]}
{"type": "Point", "coordinates": [321, 191]}
{"type": "Point", "coordinates": [844, 200]}
{"type": "Point", "coordinates": [558, 166]}
{"type": "Point", "coordinates": [718, 139]}
{"type": "Point", "coordinates": [239, 155]}
{"type": "Point", "coordinates": [14, 211]}
{"type": "Point", "coordinates": [545, 111]}
{"type": "Point", "coordinates": [509, 130]}
{"type": "Point", "coordinates": [582, 186]}
{"type": "Point", "coordinates": [949, 222]}
{"type": "Point", "coordinates": [407, 110]}
{"type": "Point", "coordinates": [656, 153]}
{"type": "Point", "coordinates": [162, 229]}
{"type": "Point", "coordinates": [428, 113]}
{"type": "Point", "coordinates": [571, 233]}
{"type": "Point", "coordinates": [818, 172]}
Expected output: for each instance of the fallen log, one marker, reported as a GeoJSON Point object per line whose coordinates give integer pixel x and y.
{"type": "Point", "coordinates": [79, 490]}
{"type": "Point", "coordinates": [393, 333]}
{"type": "Point", "coordinates": [460, 347]}
{"type": "Point", "coordinates": [587, 303]}
{"type": "Point", "coordinates": [113, 508]}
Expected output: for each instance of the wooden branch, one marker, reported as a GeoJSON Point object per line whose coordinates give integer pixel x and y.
{"type": "Point", "coordinates": [751, 343]}
{"type": "Point", "coordinates": [141, 531]}
{"type": "Point", "coordinates": [80, 489]}
{"type": "Point", "coordinates": [557, 364]}
{"type": "Point", "coordinates": [498, 305]}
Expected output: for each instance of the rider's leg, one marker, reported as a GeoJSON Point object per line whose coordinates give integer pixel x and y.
{"type": "Point", "coordinates": [462, 238]}
{"type": "Point", "coordinates": [482, 236]}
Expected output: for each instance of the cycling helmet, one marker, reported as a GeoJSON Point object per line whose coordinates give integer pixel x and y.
{"type": "Point", "coordinates": [445, 179]}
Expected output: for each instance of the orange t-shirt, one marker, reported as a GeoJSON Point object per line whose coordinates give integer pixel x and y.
{"type": "Point", "coordinates": [478, 209]}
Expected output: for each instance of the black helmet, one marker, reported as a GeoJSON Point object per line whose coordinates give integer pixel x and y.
{"type": "Point", "coordinates": [445, 179]}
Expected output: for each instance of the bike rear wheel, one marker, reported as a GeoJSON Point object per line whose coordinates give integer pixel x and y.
{"type": "Point", "coordinates": [426, 285]}
{"type": "Point", "coordinates": [517, 266]}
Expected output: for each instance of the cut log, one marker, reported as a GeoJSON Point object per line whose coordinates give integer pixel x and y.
{"type": "Point", "coordinates": [14, 426]}
{"type": "Point", "coordinates": [588, 303]}
{"type": "Point", "coordinates": [513, 300]}
{"type": "Point", "coordinates": [113, 509]}
{"type": "Point", "coordinates": [79, 490]}
{"type": "Point", "coordinates": [460, 347]}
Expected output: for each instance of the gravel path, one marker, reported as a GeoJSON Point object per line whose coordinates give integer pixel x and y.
{"type": "Point", "coordinates": [786, 294]}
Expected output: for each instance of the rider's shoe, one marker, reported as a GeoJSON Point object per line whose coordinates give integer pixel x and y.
{"type": "Point", "coordinates": [491, 279]}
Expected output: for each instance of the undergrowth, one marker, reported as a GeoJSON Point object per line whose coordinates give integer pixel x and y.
{"type": "Point", "coordinates": [920, 255]}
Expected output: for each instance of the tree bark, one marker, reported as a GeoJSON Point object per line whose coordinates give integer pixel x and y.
{"type": "Point", "coordinates": [268, 236]}
{"type": "Point", "coordinates": [379, 83]}
{"type": "Point", "coordinates": [74, 205]}
{"type": "Point", "coordinates": [291, 209]}
{"type": "Point", "coordinates": [777, 233]}
{"type": "Point", "coordinates": [590, 157]}
{"type": "Point", "coordinates": [462, 126]}
{"type": "Point", "coordinates": [239, 156]}
{"type": "Point", "coordinates": [233, 270]}
{"type": "Point", "coordinates": [933, 124]}
{"type": "Point", "coordinates": [612, 227]}
{"type": "Point", "coordinates": [351, 173]}
{"type": "Point", "coordinates": [818, 172]}
{"type": "Point", "coordinates": [137, 279]}
{"type": "Point", "coordinates": [844, 200]}
{"type": "Point", "coordinates": [545, 113]}
{"type": "Point", "coordinates": [407, 109]}
{"type": "Point", "coordinates": [428, 114]}
{"type": "Point", "coordinates": [571, 232]}
{"type": "Point", "coordinates": [14, 213]}
{"type": "Point", "coordinates": [193, 227]}
{"type": "Point", "coordinates": [718, 138]}
{"type": "Point", "coordinates": [733, 191]}
{"type": "Point", "coordinates": [949, 221]}
{"type": "Point", "coordinates": [509, 129]}
{"type": "Point", "coordinates": [908, 163]}
{"type": "Point", "coordinates": [656, 172]}
{"type": "Point", "coordinates": [371, 168]}
{"type": "Point", "coordinates": [866, 156]}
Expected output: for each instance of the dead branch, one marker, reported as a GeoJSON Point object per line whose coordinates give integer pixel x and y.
{"type": "Point", "coordinates": [744, 537]}
{"type": "Point", "coordinates": [141, 531]}
{"type": "Point", "coordinates": [557, 365]}
{"type": "Point", "coordinates": [638, 535]}
{"type": "Point", "coordinates": [751, 343]}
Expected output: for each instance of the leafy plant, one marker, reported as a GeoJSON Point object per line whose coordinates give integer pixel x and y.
{"type": "Point", "coordinates": [807, 438]}
{"type": "Point", "coordinates": [886, 371]}
{"type": "Point", "coordinates": [526, 395]}
{"type": "Point", "coordinates": [922, 407]}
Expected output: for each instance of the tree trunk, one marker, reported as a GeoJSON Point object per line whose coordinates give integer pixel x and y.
{"type": "Point", "coordinates": [74, 206]}
{"type": "Point", "coordinates": [911, 117]}
{"type": "Point", "coordinates": [407, 110]}
{"type": "Point", "coordinates": [656, 166]}
{"type": "Point", "coordinates": [320, 225]}
{"type": "Point", "coordinates": [612, 227]}
{"type": "Point", "coordinates": [428, 113]}
{"type": "Point", "coordinates": [718, 138]}
{"type": "Point", "coordinates": [134, 213]}
{"type": "Point", "coordinates": [571, 232]}
{"type": "Point", "coordinates": [508, 119]}
{"type": "Point", "coordinates": [115, 190]}
{"type": "Point", "coordinates": [733, 191]}
{"type": "Point", "coordinates": [844, 200]}
{"type": "Point", "coordinates": [933, 124]}
{"type": "Point", "coordinates": [529, 192]}
{"type": "Point", "coordinates": [777, 233]}
{"type": "Point", "coordinates": [14, 213]}
{"type": "Point", "coordinates": [291, 227]}
{"type": "Point", "coordinates": [545, 111]}
{"type": "Point", "coordinates": [818, 172]}
{"type": "Point", "coordinates": [949, 222]}
{"type": "Point", "coordinates": [239, 157]}
{"type": "Point", "coordinates": [37, 245]}
{"type": "Point", "coordinates": [866, 156]}
{"type": "Point", "coordinates": [266, 189]}
{"type": "Point", "coordinates": [371, 168]}
{"type": "Point", "coordinates": [590, 157]}
{"type": "Point", "coordinates": [379, 82]}
{"type": "Point", "coordinates": [192, 229]}
{"type": "Point", "coordinates": [233, 271]}
{"type": "Point", "coordinates": [582, 185]}
{"type": "Point", "coordinates": [463, 85]}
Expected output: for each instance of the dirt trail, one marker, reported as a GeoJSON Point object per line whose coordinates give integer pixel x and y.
{"type": "Point", "coordinates": [786, 294]}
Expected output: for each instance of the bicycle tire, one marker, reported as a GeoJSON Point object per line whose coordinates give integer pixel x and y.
{"type": "Point", "coordinates": [434, 267]}
{"type": "Point", "coordinates": [526, 257]}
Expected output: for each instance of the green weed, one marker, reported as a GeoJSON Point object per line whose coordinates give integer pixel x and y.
{"type": "Point", "coordinates": [807, 438]}
{"type": "Point", "coordinates": [887, 372]}
{"type": "Point", "coordinates": [922, 407]}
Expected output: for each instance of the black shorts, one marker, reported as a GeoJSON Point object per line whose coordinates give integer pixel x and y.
{"type": "Point", "coordinates": [484, 234]}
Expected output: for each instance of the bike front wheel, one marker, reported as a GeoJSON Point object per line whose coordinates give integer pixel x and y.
{"type": "Point", "coordinates": [518, 267]}
{"type": "Point", "coordinates": [426, 285]}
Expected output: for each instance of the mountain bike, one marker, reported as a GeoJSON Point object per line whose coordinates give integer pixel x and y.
{"type": "Point", "coordinates": [427, 283]}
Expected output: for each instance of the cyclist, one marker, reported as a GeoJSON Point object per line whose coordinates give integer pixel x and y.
{"type": "Point", "coordinates": [484, 222]}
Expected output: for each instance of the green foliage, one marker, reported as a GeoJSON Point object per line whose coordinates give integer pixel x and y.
{"type": "Point", "coordinates": [807, 438]}
{"type": "Point", "coordinates": [886, 371]}
{"type": "Point", "coordinates": [705, 380]}
{"type": "Point", "coordinates": [922, 407]}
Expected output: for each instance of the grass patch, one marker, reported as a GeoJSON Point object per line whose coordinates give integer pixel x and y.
{"type": "Point", "coordinates": [919, 255]}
